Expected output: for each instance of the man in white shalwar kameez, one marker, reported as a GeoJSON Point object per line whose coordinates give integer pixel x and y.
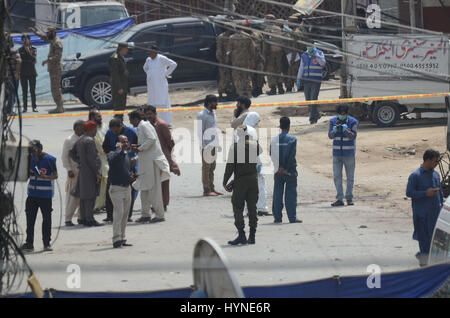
{"type": "Point", "coordinates": [252, 120]}
{"type": "Point", "coordinates": [72, 203]}
{"type": "Point", "coordinates": [153, 168]}
{"type": "Point", "coordinates": [158, 69]}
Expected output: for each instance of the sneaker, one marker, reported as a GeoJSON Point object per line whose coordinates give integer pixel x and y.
{"type": "Point", "coordinates": [124, 243]}
{"type": "Point", "coordinates": [27, 248]}
{"type": "Point", "coordinates": [35, 110]}
{"type": "Point", "coordinates": [338, 203]}
{"type": "Point", "coordinates": [117, 244]}
{"type": "Point", "coordinates": [47, 248]}
{"type": "Point", "coordinates": [157, 220]}
{"type": "Point", "coordinates": [80, 221]}
{"type": "Point", "coordinates": [263, 213]}
{"type": "Point", "coordinates": [143, 219]}
{"type": "Point", "coordinates": [107, 220]}
{"type": "Point", "coordinates": [69, 223]}
{"type": "Point", "coordinates": [56, 111]}
{"type": "Point", "coordinates": [277, 221]}
{"type": "Point", "coordinates": [296, 221]}
{"type": "Point", "coordinates": [350, 202]}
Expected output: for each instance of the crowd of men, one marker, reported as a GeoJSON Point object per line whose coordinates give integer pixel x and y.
{"type": "Point", "coordinates": [272, 48]}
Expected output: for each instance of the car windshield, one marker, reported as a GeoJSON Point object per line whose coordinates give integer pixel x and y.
{"type": "Point", "coordinates": [99, 14]}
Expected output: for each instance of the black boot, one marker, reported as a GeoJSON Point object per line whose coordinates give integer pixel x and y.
{"type": "Point", "coordinates": [273, 91]}
{"type": "Point", "coordinates": [280, 89]}
{"type": "Point", "coordinates": [288, 89]}
{"type": "Point", "coordinates": [241, 239]}
{"type": "Point", "coordinates": [251, 237]}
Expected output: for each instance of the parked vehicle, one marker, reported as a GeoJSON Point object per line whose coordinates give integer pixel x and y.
{"type": "Point", "coordinates": [400, 64]}
{"type": "Point", "coordinates": [65, 15]}
{"type": "Point", "coordinates": [189, 41]}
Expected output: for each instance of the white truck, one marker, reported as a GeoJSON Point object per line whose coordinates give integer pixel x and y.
{"type": "Point", "coordinates": [64, 15]}
{"type": "Point", "coordinates": [400, 64]}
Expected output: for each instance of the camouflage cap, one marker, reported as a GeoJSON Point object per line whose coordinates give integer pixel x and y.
{"type": "Point", "coordinates": [122, 45]}
{"type": "Point", "coordinates": [269, 17]}
{"type": "Point", "coordinates": [51, 29]}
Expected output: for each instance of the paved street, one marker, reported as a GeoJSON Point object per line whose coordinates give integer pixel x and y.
{"type": "Point", "coordinates": [330, 241]}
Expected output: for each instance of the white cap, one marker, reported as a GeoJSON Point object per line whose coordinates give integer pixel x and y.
{"type": "Point", "coordinates": [252, 119]}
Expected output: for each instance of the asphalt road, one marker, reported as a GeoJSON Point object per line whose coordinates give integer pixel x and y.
{"type": "Point", "coordinates": [330, 241]}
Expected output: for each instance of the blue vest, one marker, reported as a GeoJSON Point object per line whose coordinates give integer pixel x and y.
{"type": "Point", "coordinates": [128, 132]}
{"type": "Point", "coordinates": [39, 188]}
{"type": "Point", "coordinates": [312, 68]}
{"type": "Point", "coordinates": [342, 146]}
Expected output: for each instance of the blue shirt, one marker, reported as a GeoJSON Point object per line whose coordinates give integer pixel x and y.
{"type": "Point", "coordinates": [283, 151]}
{"type": "Point", "coordinates": [40, 188]}
{"type": "Point", "coordinates": [120, 171]}
{"type": "Point", "coordinates": [418, 183]}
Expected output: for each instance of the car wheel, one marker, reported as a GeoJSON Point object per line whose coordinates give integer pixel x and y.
{"type": "Point", "coordinates": [386, 114]}
{"type": "Point", "coordinates": [98, 92]}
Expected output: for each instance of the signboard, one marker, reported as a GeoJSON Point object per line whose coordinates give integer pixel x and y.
{"type": "Point", "coordinates": [307, 6]}
{"type": "Point", "coordinates": [440, 244]}
{"type": "Point", "coordinates": [396, 56]}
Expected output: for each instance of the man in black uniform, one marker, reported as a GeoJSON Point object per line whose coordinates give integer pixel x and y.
{"type": "Point", "coordinates": [119, 77]}
{"type": "Point", "coordinates": [242, 161]}
{"type": "Point", "coordinates": [28, 72]}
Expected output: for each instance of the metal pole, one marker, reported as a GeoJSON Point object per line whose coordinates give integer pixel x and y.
{"type": "Point", "coordinates": [412, 14]}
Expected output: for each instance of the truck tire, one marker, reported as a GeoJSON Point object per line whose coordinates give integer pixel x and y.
{"type": "Point", "coordinates": [98, 92]}
{"type": "Point", "coordinates": [326, 72]}
{"type": "Point", "coordinates": [386, 114]}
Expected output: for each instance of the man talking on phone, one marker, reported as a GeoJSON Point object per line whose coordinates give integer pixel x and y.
{"type": "Point", "coordinates": [424, 188]}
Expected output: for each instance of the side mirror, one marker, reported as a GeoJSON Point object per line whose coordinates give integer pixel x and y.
{"type": "Point", "coordinates": [78, 55]}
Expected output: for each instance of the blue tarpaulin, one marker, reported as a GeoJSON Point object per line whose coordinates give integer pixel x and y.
{"type": "Point", "coordinates": [89, 38]}
{"type": "Point", "coordinates": [96, 31]}
{"type": "Point", "coordinates": [416, 283]}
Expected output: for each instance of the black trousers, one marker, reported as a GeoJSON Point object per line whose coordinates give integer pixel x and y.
{"type": "Point", "coordinates": [109, 205]}
{"type": "Point", "coordinates": [24, 81]}
{"type": "Point", "coordinates": [31, 208]}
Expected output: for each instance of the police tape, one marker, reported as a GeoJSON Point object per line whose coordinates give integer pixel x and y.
{"type": "Point", "coordinates": [285, 104]}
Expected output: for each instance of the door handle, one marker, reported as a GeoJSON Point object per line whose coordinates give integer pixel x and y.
{"type": "Point", "coordinates": [204, 49]}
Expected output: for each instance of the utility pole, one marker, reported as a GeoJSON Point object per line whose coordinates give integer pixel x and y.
{"type": "Point", "coordinates": [412, 14]}
{"type": "Point", "coordinates": [348, 7]}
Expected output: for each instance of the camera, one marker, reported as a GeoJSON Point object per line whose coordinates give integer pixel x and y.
{"type": "Point", "coordinates": [339, 128]}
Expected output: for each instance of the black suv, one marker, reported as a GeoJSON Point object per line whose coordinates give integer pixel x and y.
{"type": "Point", "coordinates": [86, 75]}
{"type": "Point", "coordinates": [188, 41]}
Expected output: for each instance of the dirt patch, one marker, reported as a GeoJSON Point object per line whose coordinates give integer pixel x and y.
{"type": "Point", "coordinates": [385, 158]}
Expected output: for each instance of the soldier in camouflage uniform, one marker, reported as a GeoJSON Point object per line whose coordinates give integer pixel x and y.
{"type": "Point", "coordinates": [275, 57]}
{"type": "Point", "coordinates": [54, 67]}
{"type": "Point", "coordinates": [258, 58]}
{"type": "Point", "coordinates": [298, 34]}
{"type": "Point", "coordinates": [241, 48]}
{"type": "Point", "coordinates": [119, 77]}
{"type": "Point", "coordinates": [225, 84]}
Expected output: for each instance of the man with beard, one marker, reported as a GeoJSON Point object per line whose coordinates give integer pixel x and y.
{"type": "Point", "coordinates": [167, 145]}
{"type": "Point", "coordinates": [96, 116]}
{"type": "Point", "coordinates": [153, 169]}
{"type": "Point", "coordinates": [85, 153]}
{"type": "Point", "coordinates": [54, 67]}
{"type": "Point", "coordinates": [72, 203]}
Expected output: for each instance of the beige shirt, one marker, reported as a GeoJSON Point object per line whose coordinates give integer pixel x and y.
{"type": "Point", "coordinates": [67, 162]}
{"type": "Point", "coordinates": [99, 138]}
